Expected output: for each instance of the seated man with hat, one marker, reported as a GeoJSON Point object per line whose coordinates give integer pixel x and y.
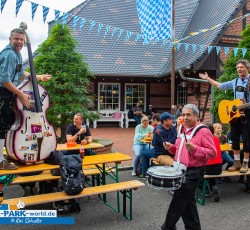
{"type": "Point", "coordinates": [164, 132]}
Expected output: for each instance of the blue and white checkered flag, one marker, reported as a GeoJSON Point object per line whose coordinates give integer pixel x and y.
{"type": "Point", "coordinates": [155, 18]}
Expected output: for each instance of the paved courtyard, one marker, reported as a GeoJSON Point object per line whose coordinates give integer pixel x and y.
{"type": "Point", "coordinates": [122, 139]}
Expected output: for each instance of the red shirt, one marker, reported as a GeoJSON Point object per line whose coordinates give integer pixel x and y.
{"type": "Point", "coordinates": [218, 159]}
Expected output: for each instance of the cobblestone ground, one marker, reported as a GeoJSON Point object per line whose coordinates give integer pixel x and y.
{"type": "Point", "coordinates": [122, 139]}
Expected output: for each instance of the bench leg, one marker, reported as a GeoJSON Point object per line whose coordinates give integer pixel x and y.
{"type": "Point", "coordinates": [201, 200]}
{"type": "Point", "coordinates": [125, 194]}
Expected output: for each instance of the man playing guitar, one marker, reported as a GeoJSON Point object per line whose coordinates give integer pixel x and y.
{"type": "Point", "coordinates": [241, 126]}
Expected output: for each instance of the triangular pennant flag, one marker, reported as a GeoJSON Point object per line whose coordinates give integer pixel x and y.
{"type": "Point", "coordinates": [45, 13]}
{"type": "Point", "coordinates": [33, 9]}
{"type": "Point", "coordinates": [202, 48]}
{"type": "Point", "coordinates": [99, 28]}
{"type": "Point", "coordinates": [178, 46]}
{"type": "Point", "coordinates": [106, 30]}
{"type": "Point", "coordinates": [18, 5]}
{"type": "Point", "coordinates": [76, 19]}
{"type": "Point", "coordinates": [186, 47]}
{"type": "Point", "coordinates": [129, 34]}
{"type": "Point", "coordinates": [194, 47]}
{"type": "Point", "coordinates": [57, 15]}
{"type": "Point", "coordinates": [92, 25]}
{"type": "Point", "coordinates": [82, 23]}
{"type": "Point", "coordinates": [209, 49]}
{"type": "Point", "coordinates": [171, 45]}
{"type": "Point", "coordinates": [146, 41]}
{"type": "Point", "coordinates": [120, 34]}
{"type": "Point", "coordinates": [244, 51]}
{"type": "Point", "coordinates": [235, 51]}
{"type": "Point", "coordinates": [113, 32]}
{"type": "Point", "coordinates": [156, 40]}
{"type": "Point", "coordinates": [164, 42]}
{"type": "Point", "coordinates": [138, 36]}
{"type": "Point", "coordinates": [218, 48]}
{"type": "Point", "coordinates": [3, 4]}
{"type": "Point", "coordinates": [64, 18]}
{"type": "Point", "coordinates": [226, 50]}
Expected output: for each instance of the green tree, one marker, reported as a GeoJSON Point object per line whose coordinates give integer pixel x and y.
{"type": "Point", "coordinates": [68, 87]}
{"type": "Point", "coordinates": [230, 72]}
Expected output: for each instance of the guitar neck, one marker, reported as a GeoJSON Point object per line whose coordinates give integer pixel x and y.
{"type": "Point", "coordinates": [243, 106]}
{"type": "Point", "coordinates": [34, 80]}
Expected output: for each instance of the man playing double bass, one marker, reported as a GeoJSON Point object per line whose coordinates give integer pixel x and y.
{"type": "Point", "coordinates": [241, 126]}
{"type": "Point", "coordinates": [11, 73]}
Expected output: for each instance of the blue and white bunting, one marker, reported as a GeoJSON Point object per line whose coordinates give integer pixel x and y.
{"type": "Point", "coordinates": [92, 25]}
{"type": "Point", "coordinates": [218, 48]}
{"type": "Point", "coordinates": [106, 31]}
{"type": "Point", "coordinates": [226, 50]}
{"type": "Point", "coordinates": [202, 48]}
{"type": "Point", "coordinates": [155, 18]}
{"type": "Point", "coordinates": [18, 6]}
{"type": "Point", "coordinates": [76, 19]}
{"type": "Point", "coordinates": [244, 51]}
{"type": "Point", "coordinates": [64, 18]}
{"type": "Point", "coordinates": [57, 15]}
{"type": "Point", "coordinates": [82, 23]}
{"type": "Point", "coordinates": [209, 49]}
{"type": "Point", "coordinates": [3, 4]}
{"type": "Point", "coordinates": [33, 9]}
{"type": "Point", "coordinates": [178, 46]}
{"type": "Point", "coordinates": [45, 13]}
{"type": "Point", "coordinates": [113, 32]}
{"type": "Point", "coordinates": [128, 35]}
{"type": "Point", "coordinates": [194, 46]}
{"type": "Point", "coordinates": [235, 51]}
{"type": "Point", "coordinates": [138, 36]}
{"type": "Point", "coordinates": [99, 29]}
{"type": "Point", "coordinates": [155, 21]}
{"type": "Point", "coordinates": [120, 33]}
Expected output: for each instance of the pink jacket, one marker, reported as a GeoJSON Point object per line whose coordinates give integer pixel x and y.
{"type": "Point", "coordinates": [204, 148]}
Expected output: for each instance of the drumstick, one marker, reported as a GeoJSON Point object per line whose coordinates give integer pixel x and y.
{"type": "Point", "coordinates": [158, 132]}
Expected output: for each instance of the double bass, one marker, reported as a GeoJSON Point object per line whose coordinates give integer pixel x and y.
{"type": "Point", "coordinates": [31, 138]}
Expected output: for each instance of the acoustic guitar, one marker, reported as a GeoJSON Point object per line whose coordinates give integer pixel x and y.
{"type": "Point", "coordinates": [230, 110]}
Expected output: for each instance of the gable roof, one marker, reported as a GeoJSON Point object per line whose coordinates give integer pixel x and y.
{"type": "Point", "coordinates": [118, 57]}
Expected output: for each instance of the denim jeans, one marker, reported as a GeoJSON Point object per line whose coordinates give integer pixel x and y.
{"type": "Point", "coordinates": [138, 148]}
{"type": "Point", "coordinates": [227, 158]}
{"type": "Point", "coordinates": [145, 157]}
{"type": "Point", "coordinates": [137, 119]}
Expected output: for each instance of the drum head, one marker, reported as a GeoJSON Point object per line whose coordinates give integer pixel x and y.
{"type": "Point", "coordinates": [164, 171]}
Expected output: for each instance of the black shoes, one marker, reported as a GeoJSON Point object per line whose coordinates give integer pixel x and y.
{"type": "Point", "coordinates": [216, 193]}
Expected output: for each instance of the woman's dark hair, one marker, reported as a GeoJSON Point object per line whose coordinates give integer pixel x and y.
{"type": "Point", "coordinates": [211, 127]}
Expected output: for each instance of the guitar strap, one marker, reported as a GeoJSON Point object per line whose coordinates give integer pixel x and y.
{"type": "Point", "coordinates": [247, 90]}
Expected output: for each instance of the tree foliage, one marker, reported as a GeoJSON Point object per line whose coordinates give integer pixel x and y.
{"type": "Point", "coordinates": [230, 71]}
{"type": "Point", "coordinates": [68, 87]}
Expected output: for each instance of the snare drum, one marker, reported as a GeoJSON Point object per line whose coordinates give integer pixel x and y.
{"type": "Point", "coordinates": [165, 177]}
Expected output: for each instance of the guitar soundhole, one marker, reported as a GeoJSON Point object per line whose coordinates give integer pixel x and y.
{"type": "Point", "coordinates": [234, 108]}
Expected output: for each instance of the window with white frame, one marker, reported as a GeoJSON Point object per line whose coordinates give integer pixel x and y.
{"type": "Point", "coordinates": [109, 96]}
{"type": "Point", "coordinates": [181, 94]}
{"type": "Point", "coordinates": [135, 93]}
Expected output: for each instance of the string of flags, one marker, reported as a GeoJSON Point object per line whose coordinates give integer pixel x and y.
{"type": "Point", "coordinates": [107, 29]}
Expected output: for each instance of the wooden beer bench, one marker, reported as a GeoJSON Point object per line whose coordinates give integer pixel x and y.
{"type": "Point", "coordinates": [100, 168]}
{"type": "Point", "coordinates": [124, 187]}
{"type": "Point", "coordinates": [201, 198]}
